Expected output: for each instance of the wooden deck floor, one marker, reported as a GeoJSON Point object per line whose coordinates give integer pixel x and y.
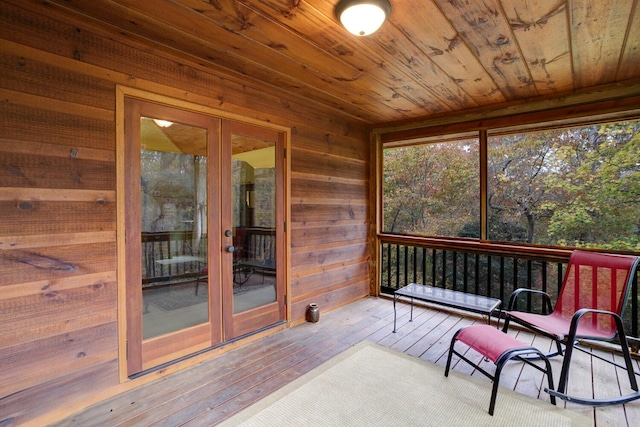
{"type": "Point", "coordinates": [214, 390]}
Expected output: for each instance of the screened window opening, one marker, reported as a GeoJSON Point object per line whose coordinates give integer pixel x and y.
{"type": "Point", "coordinates": [569, 187]}
{"type": "Point", "coordinates": [577, 187]}
{"type": "Point", "coordinates": [433, 189]}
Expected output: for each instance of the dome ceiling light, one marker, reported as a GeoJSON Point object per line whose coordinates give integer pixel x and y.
{"type": "Point", "coordinates": [362, 17]}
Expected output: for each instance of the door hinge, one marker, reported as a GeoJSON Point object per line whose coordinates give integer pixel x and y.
{"type": "Point", "coordinates": [126, 350]}
{"type": "Point", "coordinates": [285, 153]}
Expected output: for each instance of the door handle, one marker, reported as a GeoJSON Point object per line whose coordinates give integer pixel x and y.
{"type": "Point", "coordinates": [230, 249]}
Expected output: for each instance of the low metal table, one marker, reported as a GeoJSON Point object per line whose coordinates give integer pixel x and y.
{"type": "Point", "coordinates": [447, 297]}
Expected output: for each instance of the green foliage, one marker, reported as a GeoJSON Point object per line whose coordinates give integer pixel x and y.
{"type": "Point", "coordinates": [431, 190]}
{"type": "Point", "coordinates": [570, 187]}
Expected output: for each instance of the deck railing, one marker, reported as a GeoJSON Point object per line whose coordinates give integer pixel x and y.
{"type": "Point", "coordinates": [483, 269]}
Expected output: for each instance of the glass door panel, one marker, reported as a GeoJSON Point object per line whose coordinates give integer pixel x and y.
{"type": "Point", "coordinates": [173, 171]}
{"type": "Point", "coordinates": [253, 186]}
{"type": "Point", "coordinates": [256, 288]}
{"type": "Point", "coordinates": [170, 186]}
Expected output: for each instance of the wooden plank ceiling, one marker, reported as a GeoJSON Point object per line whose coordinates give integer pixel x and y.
{"type": "Point", "coordinates": [432, 57]}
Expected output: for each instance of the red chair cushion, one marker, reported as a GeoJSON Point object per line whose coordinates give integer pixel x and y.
{"type": "Point", "coordinates": [489, 341]}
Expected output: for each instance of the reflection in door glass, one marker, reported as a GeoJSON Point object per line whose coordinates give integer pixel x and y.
{"type": "Point", "coordinates": [254, 201]}
{"type": "Point", "coordinates": [174, 226]}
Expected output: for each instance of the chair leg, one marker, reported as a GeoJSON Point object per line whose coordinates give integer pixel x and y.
{"type": "Point", "coordinates": [562, 385]}
{"type": "Point", "coordinates": [452, 351]}
{"type": "Point", "coordinates": [395, 298]}
{"type": "Point", "coordinates": [449, 357]}
{"type": "Point", "coordinates": [505, 328]}
{"type": "Point", "coordinates": [564, 373]}
{"type": "Point", "coordinates": [627, 355]}
{"type": "Point", "coordinates": [549, 373]}
{"type": "Point", "coordinates": [494, 389]}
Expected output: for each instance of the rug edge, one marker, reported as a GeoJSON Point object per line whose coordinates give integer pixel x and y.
{"type": "Point", "coordinates": [251, 410]}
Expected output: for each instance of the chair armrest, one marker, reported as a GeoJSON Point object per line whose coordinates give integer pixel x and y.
{"type": "Point", "coordinates": [513, 299]}
{"type": "Point", "coordinates": [575, 319]}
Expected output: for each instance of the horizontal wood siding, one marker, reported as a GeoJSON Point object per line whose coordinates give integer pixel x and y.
{"type": "Point", "coordinates": [329, 216]}
{"type": "Point", "coordinates": [58, 260]}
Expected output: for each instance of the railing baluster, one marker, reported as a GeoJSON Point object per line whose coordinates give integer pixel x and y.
{"type": "Point", "coordinates": [529, 284]}
{"type": "Point", "coordinates": [454, 270]}
{"type": "Point", "coordinates": [398, 261]}
{"type": "Point", "coordinates": [502, 279]}
{"type": "Point", "coordinates": [516, 283]}
{"type": "Point", "coordinates": [424, 266]}
{"type": "Point", "coordinates": [465, 276]}
{"type": "Point", "coordinates": [433, 268]}
{"type": "Point", "coordinates": [544, 276]}
{"type": "Point", "coordinates": [415, 264]}
{"type": "Point", "coordinates": [489, 274]}
{"type": "Point", "coordinates": [389, 265]}
{"type": "Point", "coordinates": [477, 274]}
{"type": "Point", "coordinates": [444, 269]}
{"type": "Point", "coordinates": [396, 285]}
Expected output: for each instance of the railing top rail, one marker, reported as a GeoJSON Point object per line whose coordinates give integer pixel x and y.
{"type": "Point", "coordinates": [476, 246]}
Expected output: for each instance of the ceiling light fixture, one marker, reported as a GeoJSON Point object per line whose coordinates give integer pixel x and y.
{"type": "Point", "coordinates": [362, 17]}
{"type": "Point", "coordinates": [163, 123]}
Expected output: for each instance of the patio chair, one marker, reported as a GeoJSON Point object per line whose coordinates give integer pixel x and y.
{"type": "Point", "coordinates": [589, 306]}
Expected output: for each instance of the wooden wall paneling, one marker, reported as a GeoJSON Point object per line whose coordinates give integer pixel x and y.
{"type": "Point", "coordinates": [329, 211]}
{"type": "Point", "coordinates": [29, 265]}
{"type": "Point", "coordinates": [57, 174]}
{"type": "Point", "coordinates": [349, 145]}
{"type": "Point", "coordinates": [217, 92]}
{"type": "Point", "coordinates": [50, 284]}
{"type": "Point", "coordinates": [328, 198]}
{"type": "Point", "coordinates": [315, 260]}
{"type": "Point", "coordinates": [45, 217]}
{"type": "Point", "coordinates": [325, 188]}
{"type": "Point", "coordinates": [55, 396]}
{"type": "Point", "coordinates": [56, 310]}
{"type": "Point", "coordinates": [21, 122]}
{"type": "Point", "coordinates": [56, 150]}
{"type": "Point", "coordinates": [96, 45]}
{"type": "Point", "coordinates": [317, 280]}
{"type": "Point", "coordinates": [31, 363]}
{"type": "Point", "coordinates": [323, 164]}
{"type": "Point", "coordinates": [27, 75]}
{"type": "Point", "coordinates": [330, 298]}
{"type": "Point", "coordinates": [28, 170]}
{"type": "Point", "coordinates": [311, 236]}
{"type": "Point", "coordinates": [68, 309]}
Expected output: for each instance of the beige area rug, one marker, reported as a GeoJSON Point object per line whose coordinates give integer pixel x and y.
{"type": "Point", "coordinates": [371, 385]}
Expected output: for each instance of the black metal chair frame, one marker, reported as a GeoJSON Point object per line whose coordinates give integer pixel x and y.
{"type": "Point", "coordinates": [519, 353]}
{"type": "Point", "coordinates": [570, 342]}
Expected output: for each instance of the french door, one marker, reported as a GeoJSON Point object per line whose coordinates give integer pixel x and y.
{"type": "Point", "coordinates": [203, 220]}
{"type": "Point", "coordinates": [253, 219]}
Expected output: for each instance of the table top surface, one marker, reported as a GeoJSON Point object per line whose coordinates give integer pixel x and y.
{"type": "Point", "coordinates": [449, 297]}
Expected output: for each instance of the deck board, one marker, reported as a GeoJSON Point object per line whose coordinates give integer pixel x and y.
{"type": "Point", "coordinates": [214, 390]}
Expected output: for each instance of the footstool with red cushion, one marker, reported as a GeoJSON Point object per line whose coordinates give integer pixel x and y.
{"type": "Point", "coordinates": [498, 347]}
